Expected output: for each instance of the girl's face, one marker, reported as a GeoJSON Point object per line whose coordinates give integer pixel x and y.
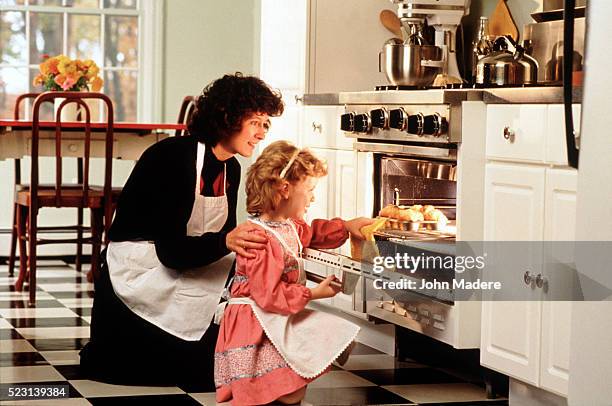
{"type": "Point", "coordinates": [254, 129]}
{"type": "Point", "coordinates": [299, 196]}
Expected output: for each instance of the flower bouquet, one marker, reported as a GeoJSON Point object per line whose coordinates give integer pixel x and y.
{"type": "Point", "coordinates": [61, 73]}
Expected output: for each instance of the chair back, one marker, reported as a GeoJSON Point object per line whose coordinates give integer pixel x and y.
{"type": "Point", "coordinates": [187, 108]}
{"type": "Point", "coordinates": [78, 98]}
{"type": "Point", "coordinates": [20, 98]}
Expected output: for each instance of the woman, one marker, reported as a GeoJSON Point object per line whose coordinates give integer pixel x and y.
{"type": "Point", "coordinates": [171, 243]}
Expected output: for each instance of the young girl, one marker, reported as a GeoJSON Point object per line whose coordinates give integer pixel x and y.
{"type": "Point", "coordinates": [269, 346]}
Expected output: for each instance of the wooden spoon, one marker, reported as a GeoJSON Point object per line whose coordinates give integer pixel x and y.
{"type": "Point", "coordinates": [391, 22]}
{"type": "Point", "coordinates": [501, 22]}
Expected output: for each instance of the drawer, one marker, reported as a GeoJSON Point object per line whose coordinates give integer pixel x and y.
{"type": "Point", "coordinates": [321, 128]}
{"type": "Point", "coordinates": [516, 132]}
{"type": "Point", "coordinates": [556, 144]}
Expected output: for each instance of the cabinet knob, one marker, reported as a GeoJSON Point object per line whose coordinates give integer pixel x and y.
{"type": "Point", "coordinates": [528, 278]}
{"type": "Point", "coordinates": [299, 99]}
{"type": "Point", "coordinates": [541, 281]}
{"type": "Point", "coordinates": [317, 126]}
{"type": "Point", "coordinates": [72, 147]}
{"type": "Point", "coordinates": [509, 134]}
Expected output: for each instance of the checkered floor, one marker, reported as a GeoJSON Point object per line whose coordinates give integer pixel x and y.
{"type": "Point", "coordinates": [41, 345]}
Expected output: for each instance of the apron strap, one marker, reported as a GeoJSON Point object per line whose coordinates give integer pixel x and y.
{"type": "Point", "coordinates": [279, 237]}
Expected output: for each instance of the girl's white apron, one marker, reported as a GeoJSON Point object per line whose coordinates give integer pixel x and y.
{"type": "Point", "coordinates": [310, 340]}
{"type": "Point", "coordinates": [182, 303]}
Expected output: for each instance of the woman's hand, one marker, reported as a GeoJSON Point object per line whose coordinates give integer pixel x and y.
{"type": "Point", "coordinates": [355, 225]}
{"type": "Point", "coordinates": [242, 238]}
{"type": "Point", "coordinates": [324, 289]}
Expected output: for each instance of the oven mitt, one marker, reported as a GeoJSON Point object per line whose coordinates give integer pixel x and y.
{"type": "Point", "coordinates": [366, 250]}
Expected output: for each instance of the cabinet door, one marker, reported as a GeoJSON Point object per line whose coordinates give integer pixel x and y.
{"type": "Point", "coordinates": [559, 225]}
{"type": "Point", "coordinates": [344, 43]}
{"type": "Point", "coordinates": [323, 205]}
{"type": "Point", "coordinates": [345, 174]}
{"type": "Point", "coordinates": [514, 208]}
{"type": "Point", "coordinates": [514, 202]}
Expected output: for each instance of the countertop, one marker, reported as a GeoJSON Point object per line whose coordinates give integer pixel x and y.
{"type": "Point", "coordinates": [516, 95]}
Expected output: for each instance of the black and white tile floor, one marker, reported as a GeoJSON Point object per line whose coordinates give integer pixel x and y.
{"type": "Point", "coordinates": [40, 346]}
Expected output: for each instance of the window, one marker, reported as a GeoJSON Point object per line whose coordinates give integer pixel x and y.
{"type": "Point", "coordinates": [111, 32]}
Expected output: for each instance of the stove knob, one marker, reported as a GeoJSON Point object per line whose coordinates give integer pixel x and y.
{"type": "Point", "coordinates": [415, 124]}
{"type": "Point", "coordinates": [347, 122]}
{"type": "Point", "coordinates": [434, 125]}
{"type": "Point", "coordinates": [397, 118]}
{"type": "Point", "coordinates": [362, 123]}
{"type": "Point", "coordinates": [380, 118]}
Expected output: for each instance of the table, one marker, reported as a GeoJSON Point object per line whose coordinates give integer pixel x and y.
{"type": "Point", "coordinates": [129, 139]}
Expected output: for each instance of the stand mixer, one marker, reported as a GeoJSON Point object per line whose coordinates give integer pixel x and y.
{"type": "Point", "coordinates": [444, 16]}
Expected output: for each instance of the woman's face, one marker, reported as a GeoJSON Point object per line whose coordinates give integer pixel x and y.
{"type": "Point", "coordinates": [300, 195]}
{"type": "Point", "coordinates": [254, 129]}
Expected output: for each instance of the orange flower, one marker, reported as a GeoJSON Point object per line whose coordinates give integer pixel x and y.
{"type": "Point", "coordinates": [38, 80]}
{"type": "Point", "coordinates": [96, 84]}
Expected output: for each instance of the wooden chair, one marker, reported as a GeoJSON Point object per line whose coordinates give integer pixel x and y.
{"type": "Point", "coordinates": [19, 186]}
{"type": "Point", "coordinates": [35, 196]}
{"type": "Point", "coordinates": [187, 108]}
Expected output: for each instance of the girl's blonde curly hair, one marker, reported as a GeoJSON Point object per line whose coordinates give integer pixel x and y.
{"type": "Point", "coordinates": [264, 176]}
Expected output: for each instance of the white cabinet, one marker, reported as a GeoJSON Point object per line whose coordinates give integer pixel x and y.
{"type": "Point", "coordinates": [322, 46]}
{"type": "Point", "coordinates": [344, 41]}
{"type": "Point", "coordinates": [529, 198]}
{"type": "Point", "coordinates": [516, 132]}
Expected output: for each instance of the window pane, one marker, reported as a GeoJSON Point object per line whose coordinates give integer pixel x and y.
{"type": "Point", "coordinates": [46, 32]}
{"type": "Point", "coordinates": [13, 82]}
{"type": "Point", "coordinates": [84, 37]}
{"type": "Point", "coordinates": [13, 38]}
{"type": "Point", "coordinates": [122, 41]}
{"type": "Point", "coordinates": [82, 3]}
{"type": "Point", "coordinates": [45, 2]}
{"type": "Point", "coordinates": [120, 4]}
{"type": "Point", "coordinates": [122, 88]}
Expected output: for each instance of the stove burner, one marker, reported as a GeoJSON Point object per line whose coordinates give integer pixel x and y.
{"type": "Point", "coordinates": [397, 87]}
{"type": "Point", "coordinates": [404, 87]}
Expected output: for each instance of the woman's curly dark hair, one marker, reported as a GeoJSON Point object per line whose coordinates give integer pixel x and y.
{"type": "Point", "coordinates": [226, 102]}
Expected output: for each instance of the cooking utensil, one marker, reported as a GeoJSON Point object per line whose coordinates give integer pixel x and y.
{"type": "Point", "coordinates": [410, 65]}
{"type": "Point", "coordinates": [391, 21]}
{"type": "Point", "coordinates": [501, 22]}
{"type": "Point", "coordinates": [507, 65]}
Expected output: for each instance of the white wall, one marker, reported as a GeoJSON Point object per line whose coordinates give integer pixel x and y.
{"type": "Point", "coordinates": [591, 345]}
{"type": "Point", "coordinates": [205, 39]}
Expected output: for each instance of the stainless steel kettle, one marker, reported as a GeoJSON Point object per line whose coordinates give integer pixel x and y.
{"type": "Point", "coordinates": [508, 64]}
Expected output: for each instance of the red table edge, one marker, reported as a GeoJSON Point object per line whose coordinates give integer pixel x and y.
{"type": "Point", "coordinates": [27, 124]}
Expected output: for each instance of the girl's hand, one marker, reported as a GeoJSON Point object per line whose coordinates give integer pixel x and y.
{"type": "Point", "coordinates": [242, 238]}
{"type": "Point", "coordinates": [355, 225]}
{"type": "Point", "coordinates": [324, 290]}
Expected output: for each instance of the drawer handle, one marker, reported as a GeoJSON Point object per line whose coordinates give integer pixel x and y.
{"type": "Point", "coordinates": [508, 134]}
{"type": "Point", "coordinates": [72, 147]}
{"type": "Point", "coordinates": [317, 126]}
{"type": "Point", "coordinates": [527, 278]}
{"type": "Point", "coordinates": [541, 281]}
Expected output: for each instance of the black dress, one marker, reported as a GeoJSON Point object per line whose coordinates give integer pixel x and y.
{"type": "Point", "coordinates": [155, 205]}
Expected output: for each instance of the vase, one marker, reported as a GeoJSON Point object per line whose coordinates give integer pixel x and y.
{"type": "Point", "coordinates": [75, 112]}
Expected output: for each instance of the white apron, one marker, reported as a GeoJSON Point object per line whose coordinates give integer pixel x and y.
{"type": "Point", "coordinates": [310, 340]}
{"type": "Point", "coordinates": [181, 303]}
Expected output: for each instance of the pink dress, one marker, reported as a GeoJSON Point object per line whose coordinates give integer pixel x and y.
{"type": "Point", "coordinates": [248, 368]}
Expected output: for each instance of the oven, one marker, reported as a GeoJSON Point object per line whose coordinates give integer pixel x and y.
{"type": "Point", "coordinates": [408, 146]}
